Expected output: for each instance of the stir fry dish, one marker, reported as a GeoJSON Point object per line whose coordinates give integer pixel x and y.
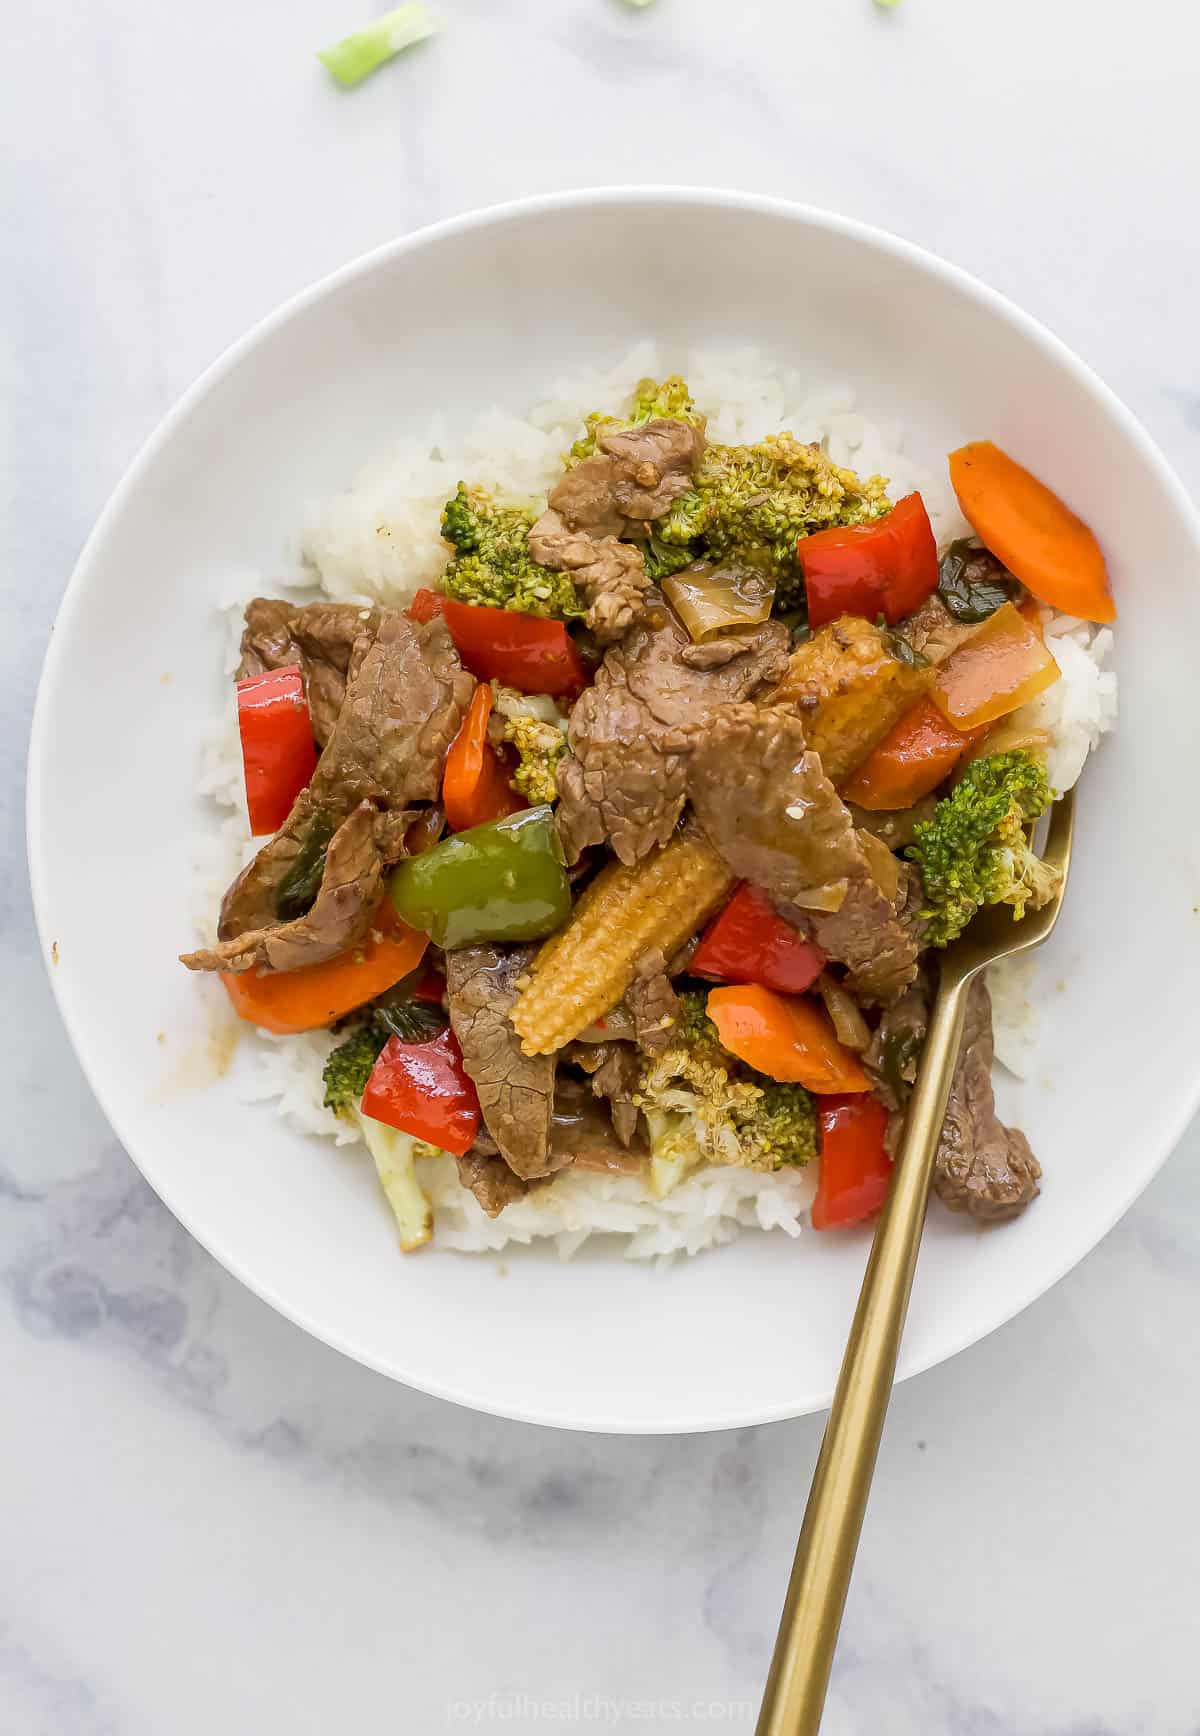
{"type": "Point", "coordinates": [628, 847]}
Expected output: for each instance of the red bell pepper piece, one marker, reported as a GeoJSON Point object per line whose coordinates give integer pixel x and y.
{"type": "Point", "coordinates": [279, 754]}
{"type": "Point", "coordinates": [430, 987]}
{"type": "Point", "coordinates": [523, 651]}
{"type": "Point", "coordinates": [749, 942]}
{"type": "Point", "coordinates": [856, 1171]}
{"type": "Point", "coordinates": [887, 567]}
{"type": "Point", "coordinates": [423, 1089]}
{"type": "Point", "coordinates": [475, 783]}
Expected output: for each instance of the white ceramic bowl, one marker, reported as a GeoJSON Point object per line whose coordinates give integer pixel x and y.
{"type": "Point", "coordinates": [492, 307]}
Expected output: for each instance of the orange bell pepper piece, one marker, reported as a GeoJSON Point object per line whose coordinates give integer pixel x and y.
{"type": "Point", "coordinates": [475, 786]}
{"type": "Point", "coordinates": [1032, 531]}
{"type": "Point", "coordinates": [1002, 665]}
{"type": "Point", "coordinates": [912, 759]}
{"type": "Point", "coordinates": [319, 994]}
{"type": "Point", "coordinates": [786, 1037]}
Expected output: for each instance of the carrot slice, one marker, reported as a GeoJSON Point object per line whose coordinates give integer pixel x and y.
{"type": "Point", "coordinates": [910, 761]}
{"type": "Point", "coordinates": [1002, 665]}
{"type": "Point", "coordinates": [317, 995]}
{"type": "Point", "coordinates": [475, 786]}
{"type": "Point", "coordinates": [1032, 531]}
{"type": "Point", "coordinates": [786, 1037]}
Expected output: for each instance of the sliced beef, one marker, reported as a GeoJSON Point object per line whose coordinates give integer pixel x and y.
{"type": "Point", "coordinates": [767, 806]}
{"type": "Point", "coordinates": [933, 632]}
{"type": "Point", "coordinates": [653, 465]}
{"type": "Point", "coordinates": [632, 480]}
{"type": "Point", "coordinates": [405, 699]}
{"type": "Point", "coordinates": [895, 829]}
{"type": "Point", "coordinates": [610, 575]}
{"type": "Point", "coordinates": [894, 1052]}
{"type": "Point", "coordinates": [615, 1080]}
{"type": "Point", "coordinates": [349, 893]}
{"type": "Point", "coordinates": [406, 696]}
{"type": "Point", "coordinates": [320, 637]}
{"type": "Point", "coordinates": [491, 1181]}
{"type": "Point", "coordinates": [583, 1135]}
{"type": "Point", "coordinates": [624, 780]}
{"type": "Point", "coordinates": [982, 1167]}
{"type": "Point", "coordinates": [516, 1091]}
{"type": "Point", "coordinates": [909, 902]}
{"type": "Point", "coordinates": [267, 641]}
{"type": "Point", "coordinates": [867, 936]}
{"type": "Point", "coordinates": [653, 1003]}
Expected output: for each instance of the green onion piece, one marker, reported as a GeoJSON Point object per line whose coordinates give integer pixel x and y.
{"type": "Point", "coordinates": [887, 5]}
{"type": "Point", "coordinates": [355, 56]}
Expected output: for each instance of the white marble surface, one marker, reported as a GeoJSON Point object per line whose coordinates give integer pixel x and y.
{"type": "Point", "coordinates": [208, 1522]}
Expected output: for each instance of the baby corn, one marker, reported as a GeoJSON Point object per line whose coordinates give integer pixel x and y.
{"type": "Point", "coordinates": [582, 971]}
{"type": "Point", "coordinates": [850, 689]}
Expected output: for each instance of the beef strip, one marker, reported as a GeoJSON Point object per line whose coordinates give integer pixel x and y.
{"type": "Point", "coordinates": [491, 1181]}
{"type": "Point", "coordinates": [982, 1167]}
{"type": "Point", "coordinates": [516, 1091]}
{"type": "Point", "coordinates": [615, 1080]}
{"type": "Point", "coordinates": [350, 890]}
{"type": "Point", "coordinates": [611, 575]}
{"type": "Point", "coordinates": [653, 1003]}
{"type": "Point", "coordinates": [405, 699]}
{"type": "Point", "coordinates": [894, 1052]}
{"type": "Point", "coordinates": [867, 936]}
{"type": "Point", "coordinates": [897, 828]}
{"type": "Point", "coordinates": [624, 779]}
{"type": "Point", "coordinates": [582, 1134]}
{"type": "Point", "coordinates": [406, 696]}
{"type": "Point", "coordinates": [933, 632]}
{"type": "Point", "coordinates": [767, 806]}
{"type": "Point", "coordinates": [631, 480]}
{"type": "Point", "coordinates": [319, 637]}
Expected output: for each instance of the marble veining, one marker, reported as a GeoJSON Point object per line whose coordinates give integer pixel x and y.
{"type": "Point", "coordinates": [210, 1521]}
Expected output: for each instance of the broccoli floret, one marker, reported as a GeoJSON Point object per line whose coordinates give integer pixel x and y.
{"type": "Point", "coordinates": [662, 559]}
{"type": "Point", "coordinates": [692, 1024]}
{"type": "Point", "coordinates": [703, 1105]}
{"type": "Point", "coordinates": [758, 501]}
{"type": "Point", "coordinates": [348, 1067]}
{"type": "Point", "coordinates": [782, 1127]}
{"type": "Point", "coordinates": [674, 1148]}
{"type": "Point", "coordinates": [651, 400]}
{"type": "Point", "coordinates": [492, 567]}
{"type": "Point", "coordinates": [540, 745]}
{"type": "Point", "coordinates": [974, 850]}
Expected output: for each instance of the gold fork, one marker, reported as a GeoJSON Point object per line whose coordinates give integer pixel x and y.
{"type": "Point", "coordinates": [812, 1614]}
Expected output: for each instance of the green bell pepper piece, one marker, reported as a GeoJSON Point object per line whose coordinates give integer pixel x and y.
{"type": "Point", "coordinates": [501, 881]}
{"type": "Point", "coordinates": [299, 887]}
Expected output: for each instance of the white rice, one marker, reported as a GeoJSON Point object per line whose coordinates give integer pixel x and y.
{"type": "Point", "coordinates": [379, 541]}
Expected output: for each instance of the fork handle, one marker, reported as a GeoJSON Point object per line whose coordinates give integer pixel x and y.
{"type": "Point", "coordinates": [812, 1614]}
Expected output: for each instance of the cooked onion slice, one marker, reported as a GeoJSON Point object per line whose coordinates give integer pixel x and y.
{"type": "Point", "coordinates": [709, 599]}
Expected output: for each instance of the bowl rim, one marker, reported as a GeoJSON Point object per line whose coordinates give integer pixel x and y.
{"type": "Point", "coordinates": [226, 362]}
